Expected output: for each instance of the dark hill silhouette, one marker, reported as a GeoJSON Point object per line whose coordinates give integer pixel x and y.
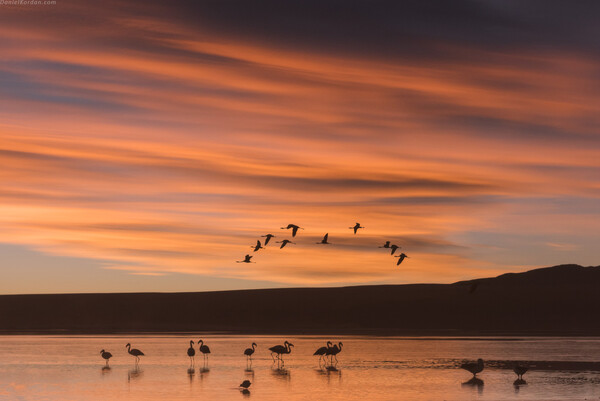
{"type": "Point", "coordinates": [559, 300]}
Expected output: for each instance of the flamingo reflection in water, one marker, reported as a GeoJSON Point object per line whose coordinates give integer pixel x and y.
{"type": "Point", "coordinates": [474, 368]}
{"type": "Point", "coordinates": [135, 373]}
{"type": "Point", "coordinates": [244, 387]}
{"type": "Point", "coordinates": [519, 370]}
{"type": "Point", "coordinates": [474, 382]}
{"type": "Point", "coordinates": [282, 373]}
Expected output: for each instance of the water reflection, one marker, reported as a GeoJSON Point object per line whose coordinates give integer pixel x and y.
{"type": "Point", "coordinates": [245, 392]}
{"type": "Point", "coordinates": [282, 373]}
{"type": "Point", "coordinates": [134, 373]}
{"type": "Point", "coordinates": [105, 370]}
{"type": "Point", "coordinates": [191, 372]}
{"type": "Point", "coordinates": [475, 382]}
{"type": "Point", "coordinates": [203, 373]}
{"type": "Point", "coordinates": [329, 372]}
{"type": "Point", "coordinates": [373, 368]}
{"type": "Point", "coordinates": [517, 384]}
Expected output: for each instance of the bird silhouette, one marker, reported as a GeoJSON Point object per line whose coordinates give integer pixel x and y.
{"type": "Point", "coordinates": [268, 238]}
{"type": "Point", "coordinates": [401, 256]}
{"type": "Point", "coordinates": [135, 352]}
{"type": "Point", "coordinates": [249, 351]}
{"type": "Point", "coordinates": [191, 352]}
{"type": "Point", "coordinates": [285, 242]}
{"type": "Point", "coordinates": [386, 245]}
{"type": "Point", "coordinates": [246, 259]}
{"type": "Point", "coordinates": [245, 384]}
{"type": "Point", "coordinates": [333, 351]}
{"type": "Point", "coordinates": [322, 351]}
{"type": "Point", "coordinates": [106, 355]}
{"type": "Point", "coordinates": [356, 227]}
{"type": "Point", "coordinates": [279, 350]}
{"type": "Point", "coordinates": [393, 248]}
{"type": "Point", "coordinates": [324, 240]}
{"type": "Point", "coordinates": [204, 349]}
{"type": "Point", "coordinates": [520, 370]}
{"type": "Point", "coordinates": [293, 227]}
{"type": "Point", "coordinates": [257, 246]}
{"type": "Point", "coordinates": [473, 367]}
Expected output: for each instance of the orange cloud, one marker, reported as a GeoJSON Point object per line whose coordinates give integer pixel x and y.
{"type": "Point", "coordinates": [173, 154]}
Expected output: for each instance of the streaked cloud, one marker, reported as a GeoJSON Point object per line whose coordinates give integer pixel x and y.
{"type": "Point", "coordinates": [166, 139]}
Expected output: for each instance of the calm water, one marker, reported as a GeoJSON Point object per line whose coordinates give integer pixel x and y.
{"type": "Point", "coordinates": [370, 368]}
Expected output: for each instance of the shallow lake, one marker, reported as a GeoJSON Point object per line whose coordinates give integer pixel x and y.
{"type": "Point", "coordinates": [369, 368]}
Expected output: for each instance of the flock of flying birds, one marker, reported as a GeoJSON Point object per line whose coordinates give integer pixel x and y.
{"type": "Point", "coordinates": [324, 241]}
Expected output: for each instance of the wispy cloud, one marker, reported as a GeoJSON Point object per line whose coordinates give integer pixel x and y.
{"type": "Point", "coordinates": [167, 146]}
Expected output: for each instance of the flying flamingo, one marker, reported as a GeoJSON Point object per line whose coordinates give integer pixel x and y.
{"type": "Point", "coordinates": [473, 367]}
{"type": "Point", "coordinates": [324, 240]}
{"type": "Point", "coordinates": [285, 242]}
{"type": "Point", "coordinates": [322, 351]}
{"type": "Point", "coordinates": [204, 349]}
{"type": "Point", "coordinates": [191, 352]}
{"type": "Point", "coordinates": [257, 246]}
{"type": "Point", "coordinates": [393, 248]}
{"type": "Point", "coordinates": [249, 351]}
{"type": "Point", "coordinates": [386, 245]}
{"type": "Point", "coordinates": [293, 227]}
{"type": "Point", "coordinates": [106, 355]}
{"type": "Point", "coordinates": [280, 350]}
{"type": "Point", "coordinates": [135, 352]}
{"type": "Point", "coordinates": [401, 256]}
{"type": "Point", "coordinates": [333, 351]}
{"type": "Point", "coordinates": [246, 260]}
{"type": "Point", "coordinates": [268, 236]}
{"type": "Point", "coordinates": [356, 227]}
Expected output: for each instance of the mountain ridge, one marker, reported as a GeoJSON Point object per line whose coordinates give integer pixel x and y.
{"type": "Point", "coordinates": [554, 300]}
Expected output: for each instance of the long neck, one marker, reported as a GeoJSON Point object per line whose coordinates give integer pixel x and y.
{"type": "Point", "coordinates": [253, 345]}
{"type": "Point", "coordinates": [340, 346]}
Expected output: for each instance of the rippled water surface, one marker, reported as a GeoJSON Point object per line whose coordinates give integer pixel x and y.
{"type": "Point", "coordinates": [369, 368]}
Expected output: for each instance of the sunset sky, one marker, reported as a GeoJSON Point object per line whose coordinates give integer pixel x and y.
{"type": "Point", "coordinates": [146, 145]}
